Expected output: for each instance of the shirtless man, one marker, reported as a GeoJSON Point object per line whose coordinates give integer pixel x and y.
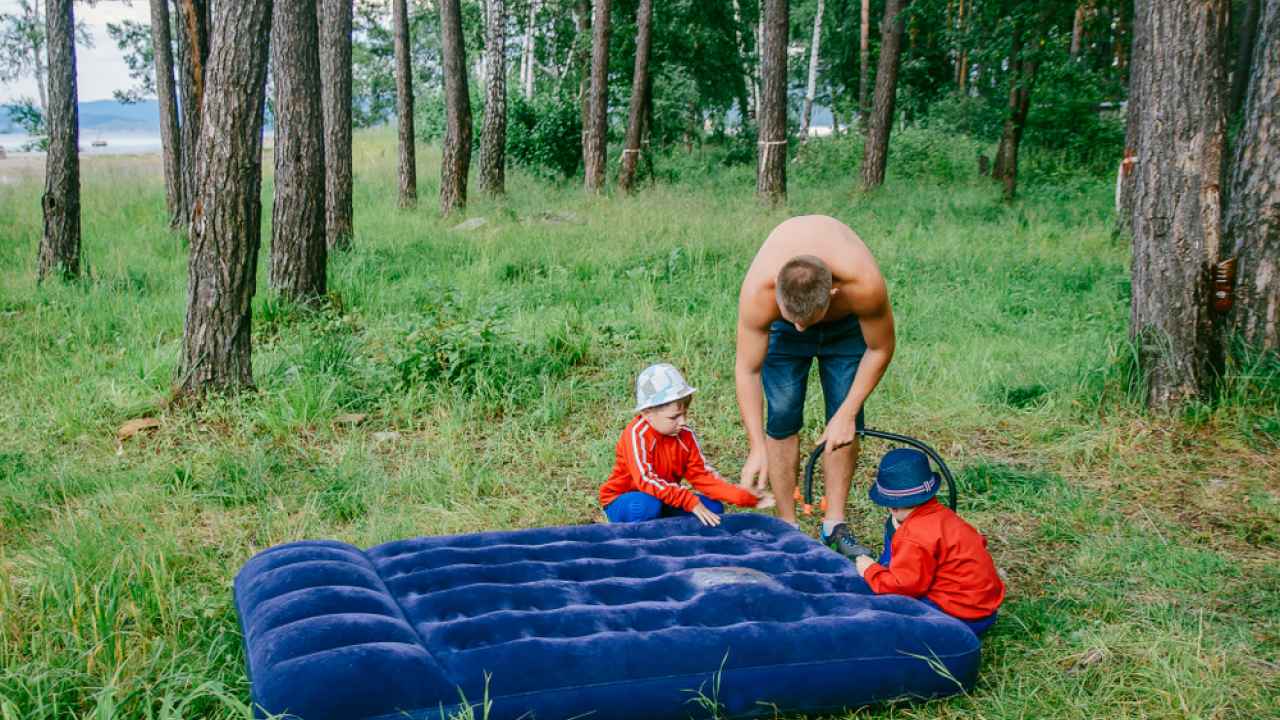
{"type": "Point", "coordinates": [813, 291]}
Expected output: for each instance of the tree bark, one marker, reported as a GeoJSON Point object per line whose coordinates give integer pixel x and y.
{"type": "Point", "coordinates": [811, 89]}
{"type": "Point", "coordinates": [193, 54]}
{"type": "Point", "coordinates": [456, 153]}
{"type": "Point", "coordinates": [1245, 38]}
{"type": "Point", "coordinates": [226, 217]}
{"type": "Point", "coordinates": [1021, 78]}
{"type": "Point", "coordinates": [582, 57]}
{"type": "Point", "coordinates": [1077, 29]}
{"type": "Point", "coordinates": [962, 54]}
{"type": "Point", "coordinates": [595, 152]}
{"type": "Point", "coordinates": [1177, 212]}
{"type": "Point", "coordinates": [60, 244]}
{"type": "Point", "coordinates": [864, 68]}
{"type": "Point", "coordinates": [771, 162]}
{"type": "Point", "coordinates": [639, 88]}
{"type": "Point", "coordinates": [875, 153]}
{"type": "Point", "coordinates": [298, 247]}
{"type": "Point", "coordinates": [1253, 215]}
{"type": "Point", "coordinates": [166, 98]}
{"type": "Point", "coordinates": [404, 105]}
{"type": "Point", "coordinates": [527, 57]}
{"type": "Point", "coordinates": [493, 137]}
{"type": "Point", "coordinates": [335, 18]}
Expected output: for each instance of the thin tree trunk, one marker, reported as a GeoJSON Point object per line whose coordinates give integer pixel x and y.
{"type": "Point", "coordinates": [193, 53]}
{"type": "Point", "coordinates": [1245, 37]}
{"type": "Point", "coordinates": [811, 89]}
{"type": "Point", "coordinates": [771, 159]}
{"type": "Point", "coordinates": [597, 131]}
{"type": "Point", "coordinates": [1120, 58]}
{"type": "Point", "coordinates": [962, 53]}
{"type": "Point", "coordinates": [1253, 216]}
{"type": "Point", "coordinates": [166, 99]}
{"type": "Point", "coordinates": [226, 220]}
{"type": "Point", "coordinates": [404, 105]}
{"type": "Point", "coordinates": [864, 68]}
{"type": "Point", "coordinates": [493, 137]}
{"type": "Point", "coordinates": [1177, 211]}
{"type": "Point", "coordinates": [38, 58]}
{"type": "Point", "coordinates": [60, 245]}
{"type": "Point", "coordinates": [749, 106]}
{"type": "Point", "coordinates": [875, 153]}
{"type": "Point", "coordinates": [298, 247]}
{"type": "Point", "coordinates": [1021, 77]}
{"type": "Point", "coordinates": [582, 57]}
{"type": "Point", "coordinates": [455, 162]}
{"type": "Point", "coordinates": [1077, 29]}
{"type": "Point", "coordinates": [335, 18]}
{"type": "Point", "coordinates": [639, 88]}
{"type": "Point", "coordinates": [528, 58]}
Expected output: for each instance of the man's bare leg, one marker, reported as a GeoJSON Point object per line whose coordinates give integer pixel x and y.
{"type": "Point", "coordinates": [783, 459]}
{"type": "Point", "coordinates": [837, 475]}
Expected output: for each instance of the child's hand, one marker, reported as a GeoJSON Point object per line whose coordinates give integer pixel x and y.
{"type": "Point", "coordinates": [766, 500]}
{"type": "Point", "coordinates": [707, 517]}
{"type": "Point", "coordinates": [862, 562]}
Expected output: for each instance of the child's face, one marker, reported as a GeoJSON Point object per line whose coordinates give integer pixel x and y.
{"type": "Point", "coordinates": [668, 419]}
{"type": "Point", "coordinates": [900, 514]}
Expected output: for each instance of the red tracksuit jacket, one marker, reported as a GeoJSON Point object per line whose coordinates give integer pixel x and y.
{"type": "Point", "coordinates": [937, 555]}
{"type": "Point", "coordinates": [653, 463]}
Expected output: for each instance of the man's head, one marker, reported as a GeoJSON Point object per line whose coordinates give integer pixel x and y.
{"type": "Point", "coordinates": [804, 290]}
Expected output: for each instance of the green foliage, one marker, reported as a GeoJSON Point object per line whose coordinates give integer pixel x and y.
{"type": "Point", "coordinates": [927, 153]}
{"type": "Point", "coordinates": [544, 135]}
{"type": "Point", "coordinates": [134, 42]}
{"type": "Point", "coordinates": [24, 113]}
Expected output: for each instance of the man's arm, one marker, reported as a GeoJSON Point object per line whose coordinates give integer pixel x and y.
{"type": "Point", "coordinates": [753, 345]}
{"type": "Point", "coordinates": [876, 320]}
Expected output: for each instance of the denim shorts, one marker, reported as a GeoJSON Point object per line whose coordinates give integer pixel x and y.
{"type": "Point", "coordinates": [838, 345]}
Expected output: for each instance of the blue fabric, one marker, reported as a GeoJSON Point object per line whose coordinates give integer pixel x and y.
{"type": "Point", "coordinates": [636, 506]}
{"type": "Point", "coordinates": [979, 626]}
{"type": "Point", "coordinates": [838, 345]}
{"type": "Point", "coordinates": [628, 620]}
{"type": "Point", "coordinates": [904, 479]}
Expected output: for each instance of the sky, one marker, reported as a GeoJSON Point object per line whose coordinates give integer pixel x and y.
{"type": "Point", "coordinates": [100, 69]}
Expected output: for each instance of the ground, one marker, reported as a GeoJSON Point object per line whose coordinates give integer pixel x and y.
{"type": "Point", "coordinates": [464, 380]}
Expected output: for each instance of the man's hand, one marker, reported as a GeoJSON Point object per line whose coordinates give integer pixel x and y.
{"type": "Point", "coordinates": [766, 499]}
{"type": "Point", "coordinates": [707, 517]}
{"type": "Point", "coordinates": [841, 431]}
{"type": "Point", "coordinates": [755, 473]}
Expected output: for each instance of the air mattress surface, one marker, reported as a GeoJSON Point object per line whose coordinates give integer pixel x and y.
{"type": "Point", "coordinates": [650, 620]}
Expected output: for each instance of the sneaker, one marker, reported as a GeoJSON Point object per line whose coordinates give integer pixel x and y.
{"type": "Point", "coordinates": [842, 541]}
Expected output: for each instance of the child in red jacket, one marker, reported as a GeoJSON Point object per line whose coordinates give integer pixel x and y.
{"type": "Point", "coordinates": [929, 552]}
{"type": "Point", "coordinates": [656, 451]}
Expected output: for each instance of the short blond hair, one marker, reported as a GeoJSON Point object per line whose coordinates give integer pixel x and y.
{"type": "Point", "coordinates": [804, 287]}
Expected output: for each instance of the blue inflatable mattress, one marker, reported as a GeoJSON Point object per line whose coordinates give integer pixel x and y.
{"type": "Point", "coordinates": [663, 619]}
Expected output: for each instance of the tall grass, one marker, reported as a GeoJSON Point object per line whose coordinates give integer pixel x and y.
{"type": "Point", "coordinates": [458, 381]}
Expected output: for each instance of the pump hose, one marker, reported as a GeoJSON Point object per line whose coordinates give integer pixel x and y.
{"type": "Point", "coordinates": [892, 437]}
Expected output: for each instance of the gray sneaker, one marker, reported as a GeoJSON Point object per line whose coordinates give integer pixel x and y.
{"type": "Point", "coordinates": [842, 541]}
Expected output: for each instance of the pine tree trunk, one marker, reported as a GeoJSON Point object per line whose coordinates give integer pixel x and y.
{"type": "Point", "coordinates": [335, 18]}
{"type": "Point", "coordinates": [60, 245]}
{"type": "Point", "coordinates": [748, 104]}
{"type": "Point", "coordinates": [875, 153]}
{"type": "Point", "coordinates": [811, 89]}
{"type": "Point", "coordinates": [193, 53]}
{"type": "Point", "coordinates": [1177, 211]}
{"type": "Point", "coordinates": [456, 151]}
{"type": "Point", "coordinates": [1077, 30]}
{"type": "Point", "coordinates": [639, 87]}
{"type": "Point", "coordinates": [771, 162]}
{"type": "Point", "coordinates": [528, 59]}
{"type": "Point", "coordinates": [1253, 216]}
{"type": "Point", "coordinates": [404, 105]}
{"type": "Point", "coordinates": [1245, 38]}
{"type": "Point", "coordinates": [582, 58]}
{"type": "Point", "coordinates": [962, 55]}
{"type": "Point", "coordinates": [1021, 78]}
{"type": "Point", "coordinates": [167, 100]}
{"type": "Point", "coordinates": [226, 221]}
{"type": "Point", "coordinates": [597, 132]}
{"type": "Point", "coordinates": [298, 247]}
{"type": "Point", "coordinates": [493, 137]}
{"type": "Point", "coordinates": [864, 68]}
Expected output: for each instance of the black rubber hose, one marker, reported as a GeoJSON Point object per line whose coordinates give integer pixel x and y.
{"type": "Point", "coordinates": [892, 437]}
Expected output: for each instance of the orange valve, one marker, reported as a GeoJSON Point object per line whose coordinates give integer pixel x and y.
{"type": "Point", "coordinates": [822, 503]}
{"type": "Point", "coordinates": [797, 493]}
{"type": "Point", "coordinates": [808, 509]}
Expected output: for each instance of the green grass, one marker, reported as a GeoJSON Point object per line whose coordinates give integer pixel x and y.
{"type": "Point", "coordinates": [493, 370]}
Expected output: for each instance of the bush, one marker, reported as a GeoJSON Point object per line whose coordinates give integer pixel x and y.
{"type": "Point", "coordinates": [923, 152]}
{"type": "Point", "coordinates": [545, 135]}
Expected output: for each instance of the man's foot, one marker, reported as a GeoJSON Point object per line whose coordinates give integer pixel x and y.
{"type": "Point", "coordinates": [842, 541]}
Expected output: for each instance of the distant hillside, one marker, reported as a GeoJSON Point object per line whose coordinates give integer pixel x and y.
{"type": "Point", "coordinates": [105, 116]}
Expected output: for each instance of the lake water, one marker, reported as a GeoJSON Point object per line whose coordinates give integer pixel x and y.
{"type": "Point", "coordinates": [116, 144]}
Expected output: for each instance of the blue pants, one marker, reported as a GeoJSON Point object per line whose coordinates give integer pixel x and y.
{"type": "Point", "coordinates": [636, 506]}
{"type": "Point", "coordinates": [979, 626]}
{"type": "Point", "coordinates": [838, 345]}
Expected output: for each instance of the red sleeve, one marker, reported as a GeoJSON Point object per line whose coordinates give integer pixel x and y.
{"type": "Point", "coordinates": [707, 481]}
{"type": "Point", "coordinates": [910, 572]}
{"type": "Point", "coordinates": [645, 479]}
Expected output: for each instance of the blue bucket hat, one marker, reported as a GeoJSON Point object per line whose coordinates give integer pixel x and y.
{"type": "Point", "coordinates": [904, 479]}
